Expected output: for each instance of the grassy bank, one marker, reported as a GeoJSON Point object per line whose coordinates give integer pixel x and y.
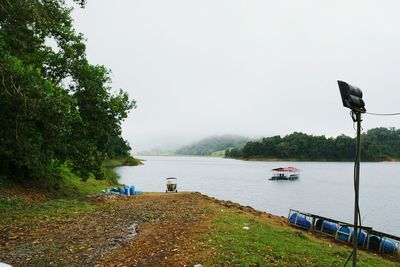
{"type": "Point", "coordinates": [30, 198]}
{"type": "Point", "coordinates": [269, 243]}
{"type": "Point", "coordinates": [123, 161]}
{"type": "Point", "coordinates": [24, 200]}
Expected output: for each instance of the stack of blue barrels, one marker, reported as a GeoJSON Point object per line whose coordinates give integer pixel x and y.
{"type": "Point", "coordinates": [382, 244]}
{"type": "Point", "coordinates": [369, 241]}
{"type": "Point", "coordinates": [126, 191]}
{"type": "Point", "coordinates": [373, 241]}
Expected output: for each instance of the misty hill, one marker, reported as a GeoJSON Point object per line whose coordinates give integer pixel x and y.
{"type": "Point", "coordinates": [377, 144]}
{"type": "Point", "coordinates": [215, 145]}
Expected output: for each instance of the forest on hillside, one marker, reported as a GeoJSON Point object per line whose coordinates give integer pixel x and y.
{"type": "Point", "coordinates": [214, 144]}
{"type": "Point", "coordinates": [377, 144]}
{"type": "Point", "coordinates": [58, 112]}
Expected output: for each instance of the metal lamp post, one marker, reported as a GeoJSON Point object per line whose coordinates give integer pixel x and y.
{"type": "Point", "coordinates": [352, 99]}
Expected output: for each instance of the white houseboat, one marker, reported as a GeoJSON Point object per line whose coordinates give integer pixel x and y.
{"type": "Point", "coordinates": [289, 173]}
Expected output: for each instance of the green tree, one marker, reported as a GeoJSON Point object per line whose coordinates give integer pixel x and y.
{"type": "Point", "coordinates": [54, 107]}
{"type": "Point", "coordinates": [377, 144]}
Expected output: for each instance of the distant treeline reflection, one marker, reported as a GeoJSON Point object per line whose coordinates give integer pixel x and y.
{"type": "Point", "coordinates": [378, 144]}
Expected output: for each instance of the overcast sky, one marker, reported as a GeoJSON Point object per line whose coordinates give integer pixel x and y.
{"type": "Point", "coordinates": [253, 68]}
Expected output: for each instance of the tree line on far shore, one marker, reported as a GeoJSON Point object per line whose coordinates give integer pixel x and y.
{"type": "Point", "coordinates": [378, 144]}
{"type": "Point", "coordinates": [58, 112]}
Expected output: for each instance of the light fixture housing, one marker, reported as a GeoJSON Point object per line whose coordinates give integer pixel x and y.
{"type": "Point", "coordinates": [352, 97]}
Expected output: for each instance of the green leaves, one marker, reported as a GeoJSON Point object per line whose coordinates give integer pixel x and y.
{"type": "Point", "coordinates": [54, 105]}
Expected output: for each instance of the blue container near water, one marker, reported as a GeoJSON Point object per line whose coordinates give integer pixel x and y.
{"type": "Point", "coordinates": [344, 234]}
{"type": "Point", "coordinates": [132, 190]}
{"type": "Point", "coordinates": [388, 246]}
{"type": "Point", "coordinates": [361, 238]}
{"type": "Point", "coordinates": [329, 227]}
{"type": "Point", "coordinates": [300, 220]}
{"type": "Point", "coordinates": [326, 226]}
{"type": "Point", "coordinates": [122, 191]}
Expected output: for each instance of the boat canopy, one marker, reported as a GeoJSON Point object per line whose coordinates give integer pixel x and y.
{"type": "Point", "coordinates": [288, 169]}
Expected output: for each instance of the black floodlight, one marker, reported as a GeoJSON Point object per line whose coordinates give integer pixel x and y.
{"type": "Point", "coordinates": [351, 97]}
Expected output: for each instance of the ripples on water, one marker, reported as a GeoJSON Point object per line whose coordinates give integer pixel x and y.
{"type": "Point", "coordinates": [324, 188]}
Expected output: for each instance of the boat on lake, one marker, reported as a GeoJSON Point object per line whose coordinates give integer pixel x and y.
{"type": "Point", "coordinates": [171, 185]}
{"type": "Point", "coordinates": [289, 173]}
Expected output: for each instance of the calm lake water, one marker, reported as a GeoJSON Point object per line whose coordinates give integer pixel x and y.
{"type": "Point", "coordinates": [324, 188]}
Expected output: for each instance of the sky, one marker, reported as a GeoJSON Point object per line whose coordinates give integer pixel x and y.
{"type": "Point", "coordinates": [251, 68]}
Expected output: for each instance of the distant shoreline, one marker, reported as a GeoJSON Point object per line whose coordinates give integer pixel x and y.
{"type": "Point", "coordinates": [308, 160]}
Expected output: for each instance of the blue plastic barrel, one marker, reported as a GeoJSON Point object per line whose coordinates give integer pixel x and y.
{"type": "Point", "coordinates": [329, 227]}
{"type": "Point", "coordinates": [361, 238]}
{"type": "Point", "coordinates": [326, 227]}
{"type": "Point", "coordinates": [388, 246]}
{"type": "Point", "coordinates": [122, 191]}
{"type": "Point", "coordinates": [132, 190]}
{"type": "Point", "coordinates": [299, 220]}
{"type": "Point", "coordinates": [344, 233]}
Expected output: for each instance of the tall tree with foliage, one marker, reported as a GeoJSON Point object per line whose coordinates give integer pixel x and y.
{"type": "Point", "coordinates": [55, 107]}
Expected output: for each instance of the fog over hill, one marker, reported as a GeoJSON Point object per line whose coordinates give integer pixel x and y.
{"type": "Point", "coordinates": [214, 145]}
{"type": "Point", "coordinates": [209, 146]}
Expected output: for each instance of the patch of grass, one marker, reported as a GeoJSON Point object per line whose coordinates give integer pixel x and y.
{"type": "Point", "coordinates": [220, 153]}
{"type": "Point", "coordinates": [7, 204]}
{"type": "Point", "coordinates": [75, 187]}
{"type": "Point", "coordinates": [123, 161]}
{"type": "Point", "coordinates": [37, 212]}
{"type": "Point", "coordinates": [72, 185]}
{"type": "Point", "coordinates": [266, 244]}
{"type": "Point", "coordinates": [34, 204]}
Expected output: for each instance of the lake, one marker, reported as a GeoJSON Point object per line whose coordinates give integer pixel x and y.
{"type": "Point", "coordinates": [324, 188]}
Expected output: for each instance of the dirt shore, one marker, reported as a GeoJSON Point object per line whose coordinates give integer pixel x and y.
{"type": "Point", "coordinates": [152, 229]}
